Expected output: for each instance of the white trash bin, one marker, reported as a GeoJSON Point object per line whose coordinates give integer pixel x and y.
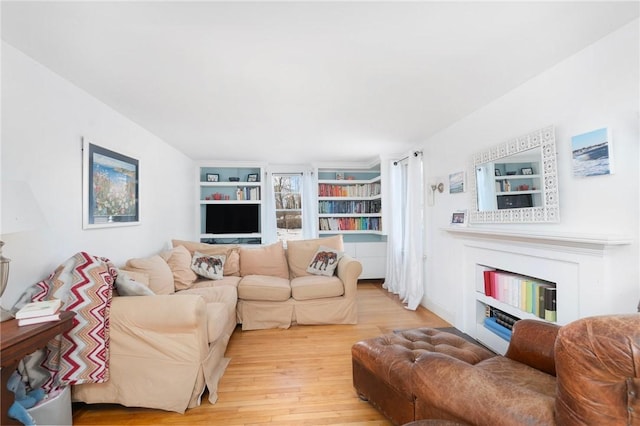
{"type": "Point", "coordinates": [54, 410]}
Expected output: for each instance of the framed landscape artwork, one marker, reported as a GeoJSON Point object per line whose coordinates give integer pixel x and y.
{"type": "Point", "coordinates": [110, 188]}
{"type": "Point", "coordinates": [592, 154]}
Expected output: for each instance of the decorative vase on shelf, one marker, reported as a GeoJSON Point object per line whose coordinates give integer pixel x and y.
{"type": "Point", "coordinates": [507, 186]}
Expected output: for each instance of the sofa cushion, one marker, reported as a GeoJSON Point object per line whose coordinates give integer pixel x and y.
{"type": "Point", "coordinates": [230, 281]}
{"type": "Point", "coordinates": [264, 260]}
{"type": "Point", "coordinates": [159, 272]}
{"type": "Point", "coordinates": [324, 261]}
{"type": "Point", "coordinates": [316, 287]}
{"type": "Point", "coordinates": [300, 253]}
{"type": "Point", "coordinates": [232, 263]}
{"type": "Point", "coordinates": [127, 286]}
{"type": "Point", "coordinates": [262, 287]}
{"type": "Point", "coordinates": [208, 266]}
{"type": "Point", "coordinates": [179, 260]}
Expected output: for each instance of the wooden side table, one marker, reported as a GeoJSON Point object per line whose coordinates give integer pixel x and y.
{"type": "Point", "coordinates": [18, 342]}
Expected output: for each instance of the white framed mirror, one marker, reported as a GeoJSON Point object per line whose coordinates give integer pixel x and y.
{"type": "Point", "coordinates": [516, 181]}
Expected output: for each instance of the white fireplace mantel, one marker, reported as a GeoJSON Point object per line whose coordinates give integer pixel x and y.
{"type": "Point", "coordinates": [596, 242]}
{"type": "Point", "coordinates": [579, 264]}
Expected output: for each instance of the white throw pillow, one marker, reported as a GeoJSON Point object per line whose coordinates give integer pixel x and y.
{"type": "Point", "coordinates": [208, 266]}
{"type": "Point", "coordinates": [324, 261]}
{"type": "Point", "coordinates": [128, 287]}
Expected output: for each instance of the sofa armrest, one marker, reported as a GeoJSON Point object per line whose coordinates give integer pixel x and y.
{"type": "Point", "coordinates": [532, 343]}
{"type": "Point", "coordinates": [159, 312]}
{"type": "Point", "coordinates": [450, 388]}
{"type": "Point", "coordinates": [349, 269]}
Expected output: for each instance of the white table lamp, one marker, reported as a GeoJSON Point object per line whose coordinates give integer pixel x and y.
{"type": "Point", "coordinates": [20, 213]}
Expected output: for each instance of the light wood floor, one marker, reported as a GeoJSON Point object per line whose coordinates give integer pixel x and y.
{"type": "Point", "coordinates": [285, 377]}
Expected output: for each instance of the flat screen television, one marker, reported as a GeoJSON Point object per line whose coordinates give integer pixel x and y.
{"type": "Point", "coordinates": [232, 218]}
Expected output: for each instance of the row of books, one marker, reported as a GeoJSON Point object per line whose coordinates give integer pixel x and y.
{"type": "Point", "coordinates": [499, 322]}
{"type": "Point", "coordinates": [350, 223]}
{"type": "Point", "coordinates": [527, 294]}
{"type": "Point", "coordinates": [248, 193]}
{"type": "Point", "coordinates": [38, 312]}
{"type": "Point", "coordinates": [357, 190]}
{"type": "Point", "coordinates": [348, 207]}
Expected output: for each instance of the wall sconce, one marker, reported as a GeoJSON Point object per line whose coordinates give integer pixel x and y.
{"type": "Point", "coordinates": [435, 187]}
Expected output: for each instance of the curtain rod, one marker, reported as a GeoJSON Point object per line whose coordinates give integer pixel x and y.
{"type": "Point", "coordinates": [415, 154]}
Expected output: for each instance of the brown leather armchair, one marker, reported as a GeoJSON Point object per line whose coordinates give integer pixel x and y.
{"type": "Point", "coordinates": [584, 373]}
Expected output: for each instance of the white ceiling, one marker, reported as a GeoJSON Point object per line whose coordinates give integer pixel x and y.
{"type": "Point", "coordinates": [297, 82]}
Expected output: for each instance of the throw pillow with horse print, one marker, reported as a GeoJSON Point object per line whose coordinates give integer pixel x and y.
{"type": "Point", "coordinates": [324, 261]}
{"type": "Point", "coordinates": [208, 266]}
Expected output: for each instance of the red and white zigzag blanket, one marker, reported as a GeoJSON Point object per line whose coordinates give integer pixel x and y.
{"type": "Point", "coordinates": [84, 283]}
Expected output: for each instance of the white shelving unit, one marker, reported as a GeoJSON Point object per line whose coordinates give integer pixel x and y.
{"type": "Point", "coordinates": [236, 220]}
{"type": "Point", "coordinates": [352, 205]}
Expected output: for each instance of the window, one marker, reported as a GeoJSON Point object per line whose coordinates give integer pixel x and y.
{"type": "Point", "coordinates": [287, 188]}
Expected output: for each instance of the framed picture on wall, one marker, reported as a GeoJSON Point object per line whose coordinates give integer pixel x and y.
{"type": "Point", "coordinates": [110, 188]}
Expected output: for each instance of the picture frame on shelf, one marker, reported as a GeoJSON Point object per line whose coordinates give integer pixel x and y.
{"type": "Point", "coordinates": [497, 172]}
{"type": "Point", "coordinates": [252, 177]}
{"type": "Point", "coordinates": [213, 177]}
{"type": "Point", "coordinates": [526, 171]}
{"type": "Point", "coordinates": [459, 218]}
{"type": "Point", "coordinates": [110, 184]}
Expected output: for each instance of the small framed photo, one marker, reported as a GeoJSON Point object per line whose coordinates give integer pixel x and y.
{"type": "Point", "coordinates": [526, 171]}
{"type": "Point", "coordinates": [213, 177]}
{"type": "Point", "coordinates": [497, 172]}
{"type": "Point", "coordinates": [252, 177]}
{"type": "Point", "coordinates": [459, 218]}
{"type": "Point", "coordinates": [339, 176]}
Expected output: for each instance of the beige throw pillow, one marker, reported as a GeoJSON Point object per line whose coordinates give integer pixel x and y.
{"type": "Point", "coordinates": [264, 260]}
{"type": "Point", "coordinates": [232, 262]}
{"type": "Point", "coordinates": [160, 275]}
{"type": "Point", "coordinates": [179, 260]}
{"type": "Point", "coordinates": [300, 252]}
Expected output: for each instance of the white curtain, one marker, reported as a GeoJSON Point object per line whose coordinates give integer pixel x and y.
{"type": "Point", "coordinates": [270, 227]}
{"type": "Point", "coordinates": [309, 205]}
{"type": "Point", "coordinates": [405, 239]}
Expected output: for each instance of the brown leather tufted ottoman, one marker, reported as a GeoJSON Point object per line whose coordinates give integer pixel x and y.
{"type": "Point", "coordinates": [382, 366]}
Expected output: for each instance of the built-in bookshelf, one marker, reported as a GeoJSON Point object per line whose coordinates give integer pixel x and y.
{"type": "Point", "coordinates": [503, 297]}
{"type": "Point", "coordinates": [349, 201]}
{"type": "Point", "coordinates": [230, 203]}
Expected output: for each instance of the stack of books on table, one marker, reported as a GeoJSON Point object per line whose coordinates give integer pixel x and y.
{"type": "Point", "coordinates": [37, 312]}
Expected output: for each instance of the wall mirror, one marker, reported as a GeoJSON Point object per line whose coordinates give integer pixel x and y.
{"type": "Point", "coordinates": [516, 181]}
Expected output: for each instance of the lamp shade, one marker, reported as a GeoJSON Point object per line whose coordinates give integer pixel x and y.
{"type": "Point", "coordinates": [20, 210]}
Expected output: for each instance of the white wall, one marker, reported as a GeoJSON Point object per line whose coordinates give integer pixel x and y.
{"type": "Point", "coordinates": [43, 122]}
{"type": "Point", "coordinates": [597, 87]}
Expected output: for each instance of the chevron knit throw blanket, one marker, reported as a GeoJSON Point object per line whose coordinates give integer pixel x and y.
{"type": "Point", "coordinates": [84, 283]}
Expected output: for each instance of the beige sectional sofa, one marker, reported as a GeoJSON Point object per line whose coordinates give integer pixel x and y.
{"type": "Point", "coordinates": [165, 349]}
{"type": "Point", "coordinates": [275, 288]}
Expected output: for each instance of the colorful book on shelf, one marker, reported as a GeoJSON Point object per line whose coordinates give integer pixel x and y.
{"type": "Point", "coordinates": [38, 320]}
{"type": "Point", "coordinates": [492, 325]}
{"type": "Point", "coordinates": [39, 309]}
{"type": "Point", "coordinates": [550, 311]}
